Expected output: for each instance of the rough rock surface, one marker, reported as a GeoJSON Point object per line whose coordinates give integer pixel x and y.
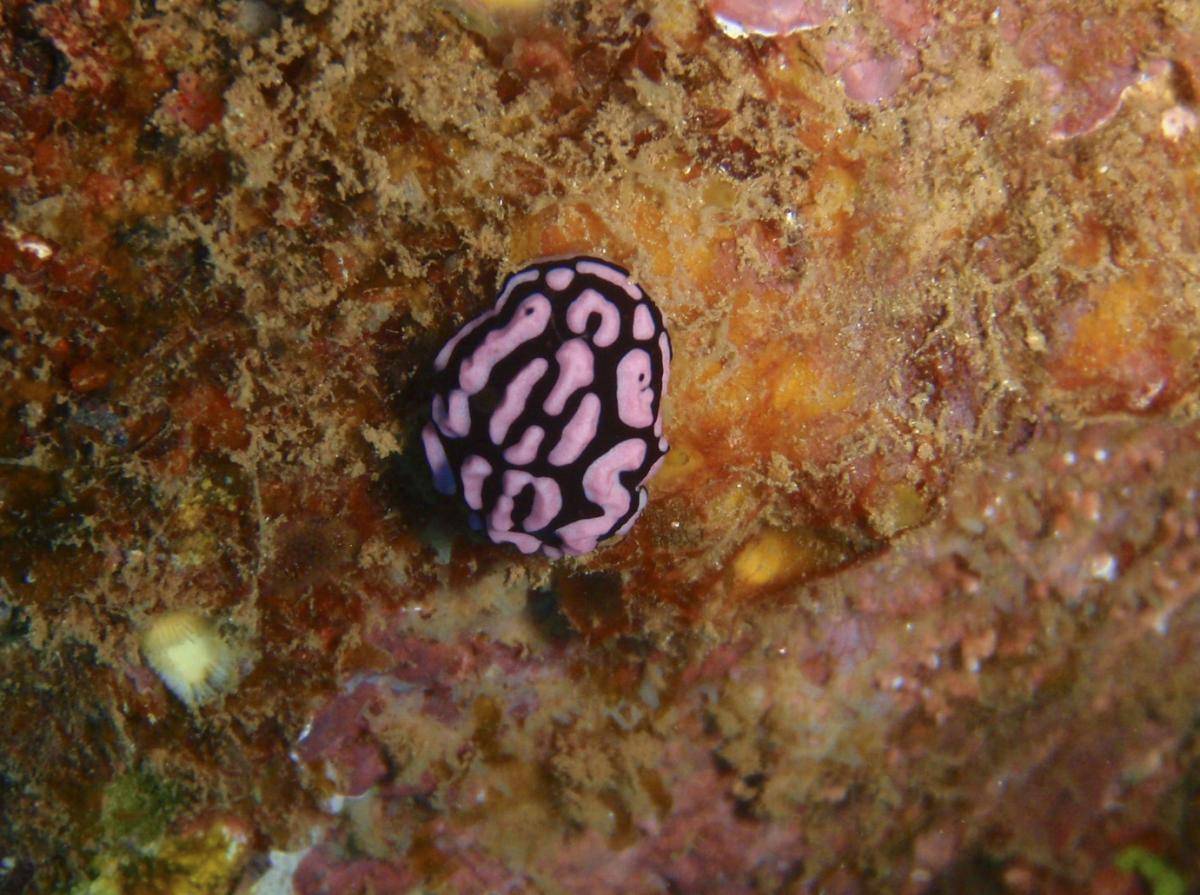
{"type": "Point", "coordinates": [913, 606]}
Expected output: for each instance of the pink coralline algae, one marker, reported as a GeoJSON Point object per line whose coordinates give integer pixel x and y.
{"type": "Point", "coordinates": [548, 408]}
{"type": "Point", "coordinates": [866, 76]}
{"type": "Point", "coordinates": [774, 18]}
{"type": "Point", "coordinates": [1087, 64]}
{"type": "Point", "coordinates": [870, 73]}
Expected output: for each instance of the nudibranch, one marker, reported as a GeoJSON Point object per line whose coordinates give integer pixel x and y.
{"type": "Point", "coordinates": [547, 413]}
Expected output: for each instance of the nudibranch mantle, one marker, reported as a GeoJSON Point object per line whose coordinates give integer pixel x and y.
{"type": "Point", "coordinates": [547, 413]}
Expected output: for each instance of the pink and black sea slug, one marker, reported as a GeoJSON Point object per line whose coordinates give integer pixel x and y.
{"type": "Point", "coordinates": [548, 408]}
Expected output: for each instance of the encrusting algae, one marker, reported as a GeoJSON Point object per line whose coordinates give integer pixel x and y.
{"type": "Point", "coordinates": [205, 862]}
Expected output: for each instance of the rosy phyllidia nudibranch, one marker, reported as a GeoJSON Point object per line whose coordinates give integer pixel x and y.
{"type": "Point", "coordinates": [547, 413]}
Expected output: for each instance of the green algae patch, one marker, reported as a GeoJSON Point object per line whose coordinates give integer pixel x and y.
{"type": "Point", "coordinates": [136, 810]}
{"type": "Point", "coordinates": [138, 807]}
{"type": "Point", "coordinates": [145, 856]}
{"type": "Point", "coordinates": [1161, 876]}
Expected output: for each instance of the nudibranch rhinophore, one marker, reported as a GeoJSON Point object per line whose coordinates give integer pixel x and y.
{"type": "Point", "coordinates": [548, 408]}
